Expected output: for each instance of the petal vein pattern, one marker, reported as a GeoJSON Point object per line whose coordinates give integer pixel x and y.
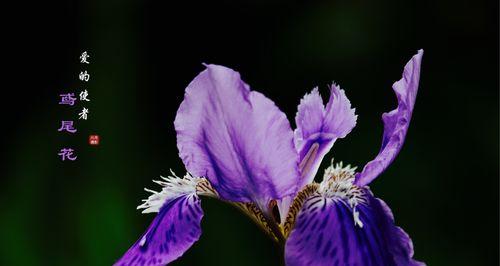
{"type": "Point", "coordinates": [237, 138]}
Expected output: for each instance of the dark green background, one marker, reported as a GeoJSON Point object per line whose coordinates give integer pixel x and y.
{"type": "Point", "coordinates": [442, 188]}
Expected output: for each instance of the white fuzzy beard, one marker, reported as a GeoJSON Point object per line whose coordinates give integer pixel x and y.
{"type": "Point", "coordinates": [338, 184]}
{"type": "Point", "coordinates": [172, 187]}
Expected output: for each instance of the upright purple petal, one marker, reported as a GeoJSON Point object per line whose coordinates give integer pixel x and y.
{"type": "Point", "coordinates": [172, 232]}
{"type": "Point", "coordinates": [237, 138]}
{"type": "Point", "coordinates": [318, 128]}
{"type": "Point", "coordinates": [396, 122]}
{"type": "Point", "coordinates": [325, 234]}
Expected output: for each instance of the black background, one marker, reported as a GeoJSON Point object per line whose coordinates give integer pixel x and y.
{"type": "Point", "coordinates": [442, 188]}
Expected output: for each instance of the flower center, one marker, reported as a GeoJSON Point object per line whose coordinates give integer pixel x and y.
{"type": "Point", "coordinates": [337, 185]}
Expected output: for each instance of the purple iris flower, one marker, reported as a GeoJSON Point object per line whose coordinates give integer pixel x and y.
{"type": "Point", "coordinates": [238, 146]}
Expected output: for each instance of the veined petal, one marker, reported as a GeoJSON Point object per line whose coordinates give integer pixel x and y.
{"type": "Point", "coordinates": [318, 128]}
{"type": "Point", "coordinates": [396, 122]}
{"type": "Point", "coordinates": [177, 225]}
{"type": "Point", "coordinates": [172, 232]}
{"type": "Point", "coordinates": [237, 138]}
{"type": "Point", "coordinates": [329, 231]}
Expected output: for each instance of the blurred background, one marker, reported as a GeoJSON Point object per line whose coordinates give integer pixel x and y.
{"type": "Point", "coordinates": [442, 188]}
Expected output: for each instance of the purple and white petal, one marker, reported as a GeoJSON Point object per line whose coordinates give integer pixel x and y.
{"type": "Point", "coordinates": [172, 232]}
{"type": "Point", "coordinates": [237, 138]}
{"type": "Point", "coordinates": [318, 128]}
{"type": "Point", "coordinates": [396, 122]}
{"type": "Point", "coordinates": [328, 231]}
{"type": "Point", "coordinates": [174, 229]}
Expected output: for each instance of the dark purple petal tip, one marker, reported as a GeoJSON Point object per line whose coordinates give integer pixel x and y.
{"type": "Point", "coordinates": [172, 232]}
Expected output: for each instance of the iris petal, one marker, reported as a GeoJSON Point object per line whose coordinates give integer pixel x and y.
{"type": "Point", "coordinates": [237, 138]}
{"type": "Point", "coordinates": [325, 233]}
{"type": "Point", "coordinates": [318, 128]}
{"type": "Point", "coordinates": [172, 232]}
{"type": "Point", "coordinates": [396, 122]}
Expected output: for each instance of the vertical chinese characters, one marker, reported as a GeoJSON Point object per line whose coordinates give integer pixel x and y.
{"type": "Point", "coordinates": [70, 99]}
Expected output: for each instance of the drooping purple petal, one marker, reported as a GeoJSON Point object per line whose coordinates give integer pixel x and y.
{"type": "Point", "coordinates": [396, 122]}
{"type": "Point", "coordinates": [318, 128]}
{"type": "Point", "coordinates": [172, 232]}
{"type": "Point", "coordinates": [325, 234]}
{"type": "Point", "coordinates": [237, 138]}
